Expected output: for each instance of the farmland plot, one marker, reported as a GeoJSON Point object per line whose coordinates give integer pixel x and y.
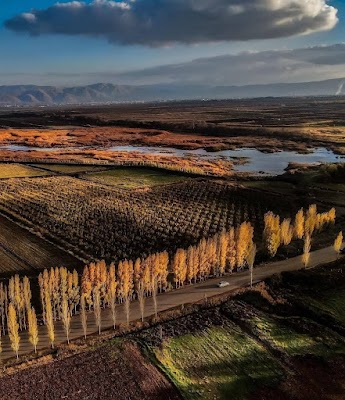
{"type": "Point", "coordinates": [111, 223]}
{"type": "Point", "coordinates": [132, 178]}
{"type": "Point", "coordinates": [219, 363]}
{"type": "Point", "coordinates": [22, 251]}
{"type": "Point", "coordinates": [18, 171]}
{"type": "Point", "coordinates": [10, 264]}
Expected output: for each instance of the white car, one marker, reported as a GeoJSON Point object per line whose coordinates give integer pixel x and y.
{"type": "Point", "coordinates": [223, 284]}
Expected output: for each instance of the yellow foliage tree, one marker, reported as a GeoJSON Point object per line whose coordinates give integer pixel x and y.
{"type": "Point", "coordinates": [13, 329]}
{"type": "Point", "coordinates": [286, 231]}
{"type": "Point", "coordinates": [49, 319]}
{"type": "Point", "coordinates": [83, 314]}
{"type": "Point", "coordinates": [338, 243]}
{"type": "Point", "coordinates": [33, 328]}
{"type": "Point", "coordinates": [299, 224]}
{"type": "Point", "coordinates": [306, 251]}
{"type": "Point", "coordinates": [272, 235]}
{"type": "Point", "coordinates": [251, 260]}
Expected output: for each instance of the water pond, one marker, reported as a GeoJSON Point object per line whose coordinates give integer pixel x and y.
{"type": "Point", "coordinates": [248, 159]}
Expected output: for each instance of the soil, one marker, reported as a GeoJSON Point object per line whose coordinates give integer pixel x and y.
{"type": "Point", "coordinates": [315, 380]}
{"type": "Point", "coordinates": [107, 373]}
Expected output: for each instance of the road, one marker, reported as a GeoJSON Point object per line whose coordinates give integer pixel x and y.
{"type": "Point", "coordinates": [166, 301]}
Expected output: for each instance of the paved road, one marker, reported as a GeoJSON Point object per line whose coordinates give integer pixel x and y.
{"type": "Point", "coordinates": [166, 301]}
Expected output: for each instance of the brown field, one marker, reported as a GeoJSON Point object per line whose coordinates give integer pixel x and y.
{"type": "Point", "coordinates": [23, 251]}
{"type": "Point", "coordinates": [10, 264]}
{"type": "Point", "coordinates": [115, 371]}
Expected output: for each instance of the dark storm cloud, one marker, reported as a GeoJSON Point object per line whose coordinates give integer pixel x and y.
{"type": "Point", "coordinates": [163, 22]}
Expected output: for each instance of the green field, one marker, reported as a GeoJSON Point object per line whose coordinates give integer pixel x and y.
{"type": "Point", "coordinates": [69, 169]}
{"type": "Point", "coordinates": [331, 303]}
{"type": "Point", "coordinates": [131, 178]}
{"type": "Point", "coordinates": [253, 344]}
{"type": "Point", "coordinates": [288, 340]}
{"type": "Point", "coordinates": [18, 171]}
{"type": "Point", "coordinates": [220, 363]}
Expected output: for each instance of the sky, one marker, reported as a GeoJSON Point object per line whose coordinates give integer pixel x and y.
{"type": "Point", "coordinates": [223, 42]}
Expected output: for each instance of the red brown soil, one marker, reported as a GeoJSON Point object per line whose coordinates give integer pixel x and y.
{"type": "Point", "coordinates": [111, 372]}
{"type": "Point", "coordinates": [107, 136]}
{"type": "Point", "coordinates": [314, 380]}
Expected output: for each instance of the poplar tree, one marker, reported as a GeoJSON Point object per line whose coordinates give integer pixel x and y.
{"type": "Point", "coordinates": [310, 220]}
{"type": "Point", "coordinates": [41, 282]}
{"type": "Point", "coordinates": [49, 319]}
{"type": "Point", "coordinates": [244, 237]}
{"type": "Point", "coordinates": [139, 285]}
{"type": "Point", "coordinates": [97, 308]}
{"type": "Point", "coordinates": [179, 267]}
{"type": "Point", "coordinates": [163, 270]}
{"type": "Point", "coordinates": [306, 251]}
{"type": "Point", "coordinates": [33, 328]}
{"type": "Point", "coordinates": [3, 307]}
{"type": "Point", "coordinates": [83, 315]}
{"type": "Point", "coordinates": [338, 243]}
{"type": "Point", "coordinates": [231, 253]}
{"type": "Point", "coordinates": [286, 231]}
{"type": "Point", "coordinates": [125, 278]}
{"type": "Point", "coordinates": [222, 251]}
{"type": "Point", "coordinates": [250, 261]}
{"type": "Point", "coordinates": [299, 224]}
{"type": "Point", "coordinates": [13, 329]}
{"type": "Point", "coordinates": [191, 267]}
{"type": "Point", "coordinates": [66, 316]}
{"type": "Point", "coordinates": [154, 283]}
{"type": "Point", "coordinates": [86, 286]}
{"type": "Point", "coordinates": [112, 292]}
{"type": "Point", "coordinates": [272, 236]}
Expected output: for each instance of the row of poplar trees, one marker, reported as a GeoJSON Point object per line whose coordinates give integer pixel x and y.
{"type": "Point", "coordinates": [306, 223]}
{"type": "Point", "coordinates": [64, 293]}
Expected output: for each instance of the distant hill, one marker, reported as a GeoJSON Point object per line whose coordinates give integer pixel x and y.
{"type": "Point", "coordinates": [30, 95]}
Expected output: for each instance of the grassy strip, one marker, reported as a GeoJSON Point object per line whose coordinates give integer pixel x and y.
{"type": "Point", "coordinates": [132, 178]}
{"type": "Point", "coordinates": [18, 171]}
{"type": "Point", "coordinates": [220, 363]}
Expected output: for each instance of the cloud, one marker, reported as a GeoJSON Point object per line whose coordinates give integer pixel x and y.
{"type": "Point", "coordinates": [296, 65]}
{"type": "Point", "coordinates": [164, 22]}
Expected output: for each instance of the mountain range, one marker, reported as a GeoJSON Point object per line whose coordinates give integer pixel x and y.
{"type": "Point", "coordinates": [101, 93]}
